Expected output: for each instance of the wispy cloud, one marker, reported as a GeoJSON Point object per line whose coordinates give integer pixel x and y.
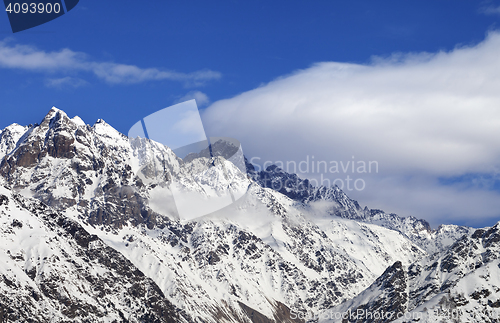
{"type": "Point", "coordinates": [65, 60]}
{"type": "Point", "coordinates": [121, 73]}
{"type": "Point", "coordinates": [490, 10]}
{"type": "Point", "coordinates": [200, 97]}
{"type": "Point", "coordinates": [422, 116]}
{"type": "Point", "coordinates": [67, 81]}
{"type": "Point", "coordinates": [29, 58]}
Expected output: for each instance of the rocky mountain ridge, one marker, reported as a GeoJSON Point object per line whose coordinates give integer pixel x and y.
{"type": "Point", "coordinates": [301, 190]}
{"type": "Point", "coordinates": [461, 284]}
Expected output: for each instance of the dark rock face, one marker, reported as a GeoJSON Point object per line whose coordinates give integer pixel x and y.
{"type": "Point", "coordinates": [288, 184]}
{"type": "Point", "coordinates": [302, 190]}
{"type": "Point", "coordinates": [392, 299]}
{"type": "Point", "coordinates": [53, 140]}
{"type": "Point", "coordinates": [282, 315]}
{"type": "Point", "coordinates": [491, 238]}
{"type": "Point", "coordinates": [26, 156]}
{"type": "Point", "coordinates": [219, 148]}
{"type": "Point", "coordinates": [3, 200]}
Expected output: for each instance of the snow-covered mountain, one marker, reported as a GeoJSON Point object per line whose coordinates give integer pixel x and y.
{"type": "Point", "coordinates": [52, 269]}
{"type": "Point", "coordinates": [461, 284]}
{"type": "Point", "coordinates": [269, 256]}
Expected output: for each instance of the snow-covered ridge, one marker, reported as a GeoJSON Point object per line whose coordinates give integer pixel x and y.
{"type": "Point", "coordinates": [51, 269]}
{"type": "Point", "coordinates": [333, 201]}
{"type": "Point", "coordinates": [461, 284]}
{"type": "Point", "coordinates": [9, 137]}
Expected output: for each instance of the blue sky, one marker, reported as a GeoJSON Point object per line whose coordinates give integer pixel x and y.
{"type": "Point", "coordinates": [124, 62]}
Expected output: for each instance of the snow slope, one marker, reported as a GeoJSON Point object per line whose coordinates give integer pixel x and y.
{"type": "Point", "coordinates": [51, 269]}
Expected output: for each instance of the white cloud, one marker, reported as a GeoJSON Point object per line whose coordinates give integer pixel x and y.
{"type": "Point", "coordinates": [65, 81]}
{"type": "Point", "coordinates": [121, 73]}
{"type": "Point", "coordinates": [30, 58]}
{"type": "Point", "coordinates": [200, 97]}
{"type": "Point", "coordinates": [421, 116]}
{"type": "Point", "coordinates": [490, 10]}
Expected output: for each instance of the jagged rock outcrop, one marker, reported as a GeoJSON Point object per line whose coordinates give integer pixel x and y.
{"type": "Point", "coordinates": [384, 301]}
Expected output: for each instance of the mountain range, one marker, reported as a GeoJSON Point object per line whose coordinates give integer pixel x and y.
{"type": "Point", "coordinates": [91, 233]}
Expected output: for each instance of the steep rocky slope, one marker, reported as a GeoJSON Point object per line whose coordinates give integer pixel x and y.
{"type": "Point", "coordinates": [52, 269]}
{"type": "Point", "coordinates": [461, 284]}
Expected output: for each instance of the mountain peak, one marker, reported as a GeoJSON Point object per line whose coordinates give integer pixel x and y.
{"type": "Point", "coordinates": [55, 111]}
{"type": "Point", "coordinates": [56, 114]}
{"type": "Point", "coordinates": [78, 121]}
{"type": "Point", "coordinates": [53, 116]}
